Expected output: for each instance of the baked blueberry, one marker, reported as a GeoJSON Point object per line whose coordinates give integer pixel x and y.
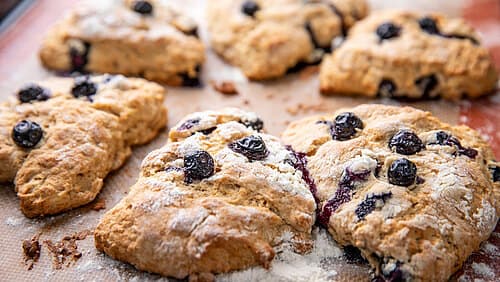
{"type": "Point", "coordinates": [257, 124]}
{"type": "Point", "coordinates": [495, 173]}
{"type": "Point", "coordinates": [252, 147]}
{"type": "Point", "coordinates": [388, 30]}
{"type": "Point", "coordinates": [188, 124]}
{"type": "Point", "coordinates": [406, 142]}
{"type": "Point", "coordinates": [33, 92]}
{"type": "Point", "coordinates": [387, 88]}
{"type": "Point", "coordinates": [426, 84]}
{"type": "Point", "coordinates": [428, 25]}
{"type": "Point", "coordinates": [83, 87]}
{"type": "Point", "coordinates": [143, 7]}
{"type": "Point", "coordinates": [27, 134]}
{"type": "Point", "coordinates": [369, 204]}
{"type": "Point", "coordinates": [197, 166]}
{"type": "Point", "coordinates": [353, 255]}
{"type": "Point", "coordinates": [249, 8]}
{"type": "Point", "coordinates": [402, 172]}
{"type": "Point", "coordinates": [446, 139]}
{"type": "Point", "coordinates": [345, 126]}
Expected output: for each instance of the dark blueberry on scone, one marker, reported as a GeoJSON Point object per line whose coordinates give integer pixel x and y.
{"type": "Point", "coordinates": [495, 173]}
{"type": "Point", "coordinates": [256, 124]}
{"type": "Point", "coordinates": [142, 7]}
{"type": "Point", "coordinates": [437, 196]}
{"type": "Point", "coordinates": [33, 92]}
{"type": "Point", "coordinates": [402, 172]}
{"type": "Point", "coordinates": [428, 25]}
{"type": "Point", "coordinates": [249, 8]}
{"type": "Point", "coordinates": [78, 52]}
{"type": "Point", "coordinates": [406, 142]}
{"type": "Point", "coordinates": [198, 166]}
{"type": "Point", "coordinates": [370, 203]}
{"type": "Point", "coordinates": [386, 88]}
{"type": "Point", "coordinates": [252, 147]}
{"type": "Point", "coordinates": [427, 84]}
{"type": "Point", "coordinates": [27, 133]}
{"type": "Point", "coordinates": [245, 210]}
{"type": "Point", "coordinates": [372, 61]}
{"type": "Point", "coordinates": [345, 126]}
{"type": "Point", "coordinates": [83, 87]}
{"type": "Point", "coordinates": [388, 30]}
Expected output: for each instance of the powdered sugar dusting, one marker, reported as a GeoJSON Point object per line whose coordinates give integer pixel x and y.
{"type": "Point", "coordinates": [483, 270]}
{"type": "Point", "coordinates": [290, 266]}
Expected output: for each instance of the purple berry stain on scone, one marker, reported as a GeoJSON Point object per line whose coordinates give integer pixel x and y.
{"type": "Point", "coordinates": [27, 133]}
{"type": "Point", "coordinates": [198, 166]}
{"type": "Point", "coordinates": [406, 142]}
{"type": "Point", "coordinates": [252, 147]}
{"type": "Point", "coordinates": [344, 127]}
{"type": "Point", "coordinates": [78, 51]}
{"type": "Point", "coordinates": [142, 7]}
{"type": "Point", "coordinates": [402, 172]}
{"type": "Point", "coordinates": [445, 139]}
{"type": "Point", "coordinates": [249, 8]}
{"type": "Point", "coordinates": [189, 80]}
{"type": "Point", "coordinates": [387, 31]}
{"type": "Point", "coordinates": [33, 92]}
{"type": "Point", "coordinates": [84, 87]}
{"type": "Point", "coordinates": [371, 202]}
{"type": "Point", "coordinates": [299, 162]}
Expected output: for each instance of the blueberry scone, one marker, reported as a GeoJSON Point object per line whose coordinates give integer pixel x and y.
{"type": "Point", "coordinates": [408, 55]}
{"type": "Point", "coordinates": [135, 38]}
{"type": "Point", "coordinates": [218, 197]}
{"type": "Point", "coordinates": [268, 38]}
{"type": "Point", "coordinates": [60, 138]}
{"type": "Point", "coordinates": [415, 195]}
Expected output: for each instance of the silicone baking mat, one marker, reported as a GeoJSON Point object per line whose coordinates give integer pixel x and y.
{"type": "Point", "coordinates": [277, 102]}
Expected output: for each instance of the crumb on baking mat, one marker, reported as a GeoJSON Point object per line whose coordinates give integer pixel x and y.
{"type": "Point", "coordinates": [31, 251]}
{"type": "Point", "coordinates": [224, 87]}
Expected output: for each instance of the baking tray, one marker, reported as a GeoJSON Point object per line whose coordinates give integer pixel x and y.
{"type": "Point", "coordinates": [277, 102]}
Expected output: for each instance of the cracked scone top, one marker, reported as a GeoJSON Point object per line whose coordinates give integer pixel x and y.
{"type": "Point", "coordinates": [59, 138]}
{"type": "Point", "coordinates": [415, 195]}
{"type": "Point", "coordinates": [405, 54]}
{"type": "Point", "coordinates": [136, 38]}
{"type": "Point", "coordinates": [210, 201]}
{"type": "Point", "coordinates": [267, 38]}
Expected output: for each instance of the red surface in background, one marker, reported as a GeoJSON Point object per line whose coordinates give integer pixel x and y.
{"type": "Point", "coordinates": [483, 114]}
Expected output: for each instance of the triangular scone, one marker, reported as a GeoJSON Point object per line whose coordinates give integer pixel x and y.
{"type": "Point", "coordinates": [408, 55]}
{"type": "Point", "coordinates": [267, 38]}
{"type": "Point", "coordinates": [214, 200]}
{"type": "Point", "coordinates": [415, 195]}
{"type": "Point", "coordinates": [135, 38]}
{"type": "Point", "coordinates": [61, 137]}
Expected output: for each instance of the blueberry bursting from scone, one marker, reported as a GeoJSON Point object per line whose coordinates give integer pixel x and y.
{"type": "Point", "coordinates": [406, 55]}
{"type": "Point", "coordinates": [270, 38]}
{"type": "Point", "coordinates": [416, 196]}
{"type": "Point", "coordinates": [155, 42]}
{"type": "Point", "coordinates": [61, 138]}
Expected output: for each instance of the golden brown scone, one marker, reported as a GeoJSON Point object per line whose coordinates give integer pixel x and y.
{"type": "Point", "coordinates": [266, 38]}
{"type": "Point", "coordinates": [135, 38]}
{"type": "Point", "coordinates": [61, 137]}
{"type": "Point", "coordinates": [415, 195]}
{"type": "Point", "coordinates": [214, 200]}
{"type": "Point", "coordinates": [401, 54]}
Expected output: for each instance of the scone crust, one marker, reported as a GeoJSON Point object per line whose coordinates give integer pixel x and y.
{"type": "Point", "coordinates": [82, 142]}
{"type": "Point", "coordinates": [228, 221]}
{"type": "Point", "coordinates": [156, 47]}
{"type": "Point", "coordinates": [426, 230]}
{"type": "Point", "coordinates": [458, 67]}
{"type": "Point", "coordinates": [279, 35]}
